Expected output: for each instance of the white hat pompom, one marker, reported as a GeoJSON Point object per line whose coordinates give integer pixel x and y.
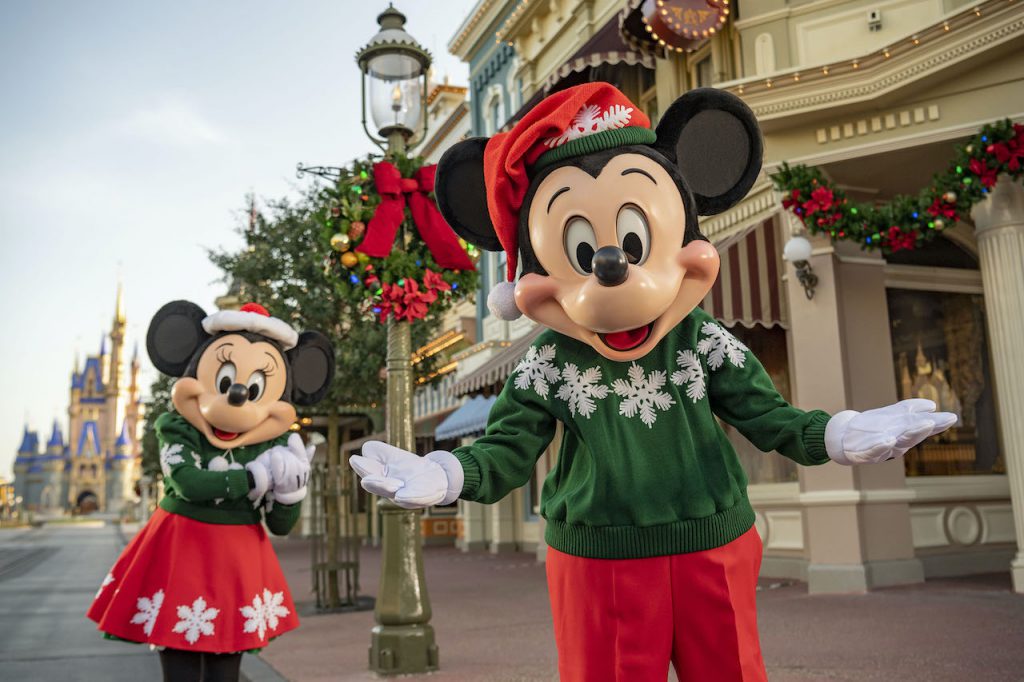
{"type": "Point", "coordinates": [502, 302]}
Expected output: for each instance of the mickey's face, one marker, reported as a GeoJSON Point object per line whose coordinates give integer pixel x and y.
{"type": "Point", "coordinates": [611, 252]}
{"type": "Point", "coordinates": [235, 399]}
{"type": "Point", "coordinates": [618, 277]}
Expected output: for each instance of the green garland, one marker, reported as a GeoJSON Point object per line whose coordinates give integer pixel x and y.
{"type": "Point", "coordinates": [906, 222]}
{"type": "Point", "coordinates": [406, 285]}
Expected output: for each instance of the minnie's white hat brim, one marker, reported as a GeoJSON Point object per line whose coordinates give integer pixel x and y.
{"type": "Point", "coordinates": [240, 321]}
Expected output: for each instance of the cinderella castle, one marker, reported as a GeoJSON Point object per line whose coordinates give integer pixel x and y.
{"type": "Point", "coordinates": [96, 466]}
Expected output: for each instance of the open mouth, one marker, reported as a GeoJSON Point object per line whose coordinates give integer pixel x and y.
{"type": "Point", "coordinates": [628, 339]}
{"type": "Point", "coordinates": [224, 435]}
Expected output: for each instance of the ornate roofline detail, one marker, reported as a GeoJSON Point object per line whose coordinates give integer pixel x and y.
{"type": "Point", "coordinates": [801, 90]}
{"type": "Point", "coordinates": [471, 26]}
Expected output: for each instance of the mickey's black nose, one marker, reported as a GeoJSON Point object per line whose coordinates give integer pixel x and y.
{"type": "Point", "coordinates": [610, 266]}
{"type": "Point", "coordinates": [237, 395]}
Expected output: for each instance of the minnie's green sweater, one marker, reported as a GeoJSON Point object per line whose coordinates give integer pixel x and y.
{"type": "Point", "coordinates": [644, 468]}
{"type": "Point", "coordinates": [211, 485]}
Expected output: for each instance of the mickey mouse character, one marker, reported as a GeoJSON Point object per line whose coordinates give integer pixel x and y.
{"type": "Point", "coordinates": [201, 580]}
{"type": "Point", "coordinates": [653, 555]}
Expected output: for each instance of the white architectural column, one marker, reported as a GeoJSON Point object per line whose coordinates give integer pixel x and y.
{"type": "Point", "coordinates": [999, 225]}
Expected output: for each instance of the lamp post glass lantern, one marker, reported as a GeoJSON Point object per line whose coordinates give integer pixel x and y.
{"type": "Point", "coordinates": [402, 641]}
{"type": "Point", "coordinates": [396, 67]}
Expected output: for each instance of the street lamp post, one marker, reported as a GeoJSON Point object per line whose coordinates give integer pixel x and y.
{"type": "Point", "coordinates": [394, 74]}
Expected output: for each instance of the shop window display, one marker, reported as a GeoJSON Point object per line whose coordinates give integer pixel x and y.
{"type": "Point", "coordinates": [940, 352]}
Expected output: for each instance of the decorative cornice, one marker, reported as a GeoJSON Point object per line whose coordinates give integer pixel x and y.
{"type": "Point", "coordinates": [436, 91]}
{"type": "Point", "coordinates": [469, 27]}
{"type": "Point", "coordinates": [945, 43]}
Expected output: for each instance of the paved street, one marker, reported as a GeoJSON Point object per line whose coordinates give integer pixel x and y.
{"type": "Point", "coordinates": [48, 577]}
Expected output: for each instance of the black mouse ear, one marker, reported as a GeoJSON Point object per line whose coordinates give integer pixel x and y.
{"type": "Point", "coordinates": [175, 334]}
{"type": "Point", "coordinates": [716, 144]}
{"type": "Point", "coordinates": [462, 195]}
{"type": "Point", "coordinates": [312, 368]}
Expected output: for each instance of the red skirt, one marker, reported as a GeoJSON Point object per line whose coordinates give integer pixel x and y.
{"type": "Point", "coordinates": [196, 586]}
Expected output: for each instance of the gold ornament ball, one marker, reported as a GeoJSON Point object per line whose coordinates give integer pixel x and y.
{"type": "Point", "coordinates": [939, 223]}
{"type": "Point", "coordinates": [349, 259]}
{"type": "Point", "coordinates": [969, 149]}
{"type": "Point", "coordinates": [363, 258]}
{"type": "Point", "coordinates": [341, 242]}
{"type": "Point", "coordinates": [949, 197]}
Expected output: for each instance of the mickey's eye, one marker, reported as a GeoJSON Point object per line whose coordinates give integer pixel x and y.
{"type": "Point", "coordinates": [580, 245]}
{"type": "Point", "coordinates": [633, 234]}
{"type": "Point", "coordinates": [257, 384]}
{"type": "Point", "coordinates": [225, 377]}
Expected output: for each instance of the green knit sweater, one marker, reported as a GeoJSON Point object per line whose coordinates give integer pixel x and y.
{"type": "Point", "coordinates": [644, 468]}
{"type": "Point", "coordinates": [217, 493]}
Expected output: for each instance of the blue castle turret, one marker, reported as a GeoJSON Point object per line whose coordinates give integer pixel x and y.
{"type": "Point", "coordinates": [120, 467]}
{"type": "Point", "coordinates": [27, 452]}
{"type": "Point", "coordinates": [51, 464]}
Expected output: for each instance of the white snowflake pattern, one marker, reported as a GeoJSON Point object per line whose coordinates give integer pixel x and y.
{"type": "Point", "coordinates": [537, 368]}
{"type": "Point", "coordinates": [589, 120]}
{"type": "Point", "coordinates": [719, 344]}
{"type": "Point", "coordinates": [643, 394]}
{"type": "Point", "coordinates": [581, 388]}
{"type": "Point", "coordinates": [170, 455]}
{"type": "Point", "coordinates": [691, 373]}
{"type": "Point", "coordinates": [109, 578]}
{"type": "Point", "coordinates": [264, 613]}
{"type": "Point", "coordinates": [149, 609]}
{"type": "Point", "coordinates": [195, 620]}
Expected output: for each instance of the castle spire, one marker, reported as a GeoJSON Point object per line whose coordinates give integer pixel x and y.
{"type": "Point", "coordinates": [119, 316]}
{"type": "Point", "coordinates": [29, 442]}
{"type": "Point", "coordinates": [103, 345]}
{"type": "Point", "coordinates": [56, 437]}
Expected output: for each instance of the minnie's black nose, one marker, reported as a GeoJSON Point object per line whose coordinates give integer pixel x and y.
{"type": "Point", "coordinates": [610, 266]}
{"type": "Point", "coordinates": [237, 395]}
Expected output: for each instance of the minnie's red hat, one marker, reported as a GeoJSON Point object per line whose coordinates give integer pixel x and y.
{"type": "Point", "coordinates": [573, 122]}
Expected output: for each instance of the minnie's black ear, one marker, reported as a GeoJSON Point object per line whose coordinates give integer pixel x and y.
{"type": "Point", "coordinates": [174, 335]}
{"type": "Point", "coordinates": [462, 196]}
{"type": "Point", "coordinates": [716, 144]}
{"type": "Point", "coordinates": [312, 368]}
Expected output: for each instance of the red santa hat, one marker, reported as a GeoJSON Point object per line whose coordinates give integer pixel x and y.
{"type": "Point", "coordinates": [252, 317]}
{"type": "Point", "coordinates": [572, 122]}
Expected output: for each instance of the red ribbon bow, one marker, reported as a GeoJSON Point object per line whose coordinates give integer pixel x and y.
{"type": "Point", "coordinates": [383, 227]}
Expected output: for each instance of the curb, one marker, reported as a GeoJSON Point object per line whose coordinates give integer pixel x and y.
{"type": "Point", "coordinates": [255, 669]}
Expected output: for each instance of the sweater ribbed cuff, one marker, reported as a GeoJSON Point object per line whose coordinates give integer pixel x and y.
{"type": "Point", "coordinates": [814, 438]}
{"type": "Point", "coordinates": [470, 472]}
{"type": "Point", "coordinates": [237, 482]}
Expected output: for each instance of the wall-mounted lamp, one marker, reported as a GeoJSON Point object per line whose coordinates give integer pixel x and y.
{"type": "Point", "coordinates": [798, 252]}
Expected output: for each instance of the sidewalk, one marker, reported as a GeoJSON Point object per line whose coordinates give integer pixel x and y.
{"type": "Point", "coordinates": [492, 624]}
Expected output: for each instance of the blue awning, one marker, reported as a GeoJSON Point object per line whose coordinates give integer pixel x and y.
{"type": "Point", "coordinates": [468, 420]}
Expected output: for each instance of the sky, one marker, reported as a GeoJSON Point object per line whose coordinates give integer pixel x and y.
{"type": "Point", "coordinates": [130, 134]}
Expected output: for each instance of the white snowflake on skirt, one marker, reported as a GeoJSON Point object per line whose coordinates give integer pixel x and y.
{"type": "Point", "coordinates": [580, 389]}
{"type": "Point", "coordinates": [643, 394]}
{"type": "Point", "coordinates": [109, 578]}
{"type": "Point", "coordinates": [264, 612]}
{"type": "Point", "coordinates": [195, 620]}
{"type": "Point", "coordinates": [691, 373]}
{"type": "Point", "coordinates": [149, 609]}
{"type": "Point", "coordinates": [719, 344]}
{"type": "Point", "coordinates": [537, 368]}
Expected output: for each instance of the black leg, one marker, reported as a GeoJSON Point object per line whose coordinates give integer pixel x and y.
{"type": "Point", "coordinates": [221, 667]}
{"type": "Point", "coordinates": [181, 666]}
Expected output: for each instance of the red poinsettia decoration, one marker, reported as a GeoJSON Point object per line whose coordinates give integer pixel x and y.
{"type": "Point", "coordinates": [942, 208]}
{"type": "Point", "coordinates": [792, 200]}
{"type": "Point", "coordinates": [407, 301]}
{"type": "Point", "coordinates": [898, 239]}
{"type": "Point", "coordinates": [821, 200]}
{"type": "Point", "coordinates": [986, 175]}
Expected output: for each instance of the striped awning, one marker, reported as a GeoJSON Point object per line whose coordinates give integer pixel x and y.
{"type": "Point", "coordinates": [468, 420]}
{"type": "Point", "coordinates": [497, 368]}
{"type": "Point", "coordinates": [749, 289]}
{"type": "Point", "coordinates": [595, 59]}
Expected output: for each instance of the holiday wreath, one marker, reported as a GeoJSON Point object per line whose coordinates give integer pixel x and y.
{"type": "Point", "coordinates": [906, 222]}
{"type": "Point", "coordinates": [374, 204]}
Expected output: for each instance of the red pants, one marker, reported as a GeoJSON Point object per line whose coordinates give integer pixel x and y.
{"type": "Point", "coordinates": [624, 620]}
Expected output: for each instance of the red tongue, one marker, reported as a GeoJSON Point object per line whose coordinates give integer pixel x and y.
{"type": "Point", "coordinates": [224, 435]}
{"type": "Point", "coordinates": [626, 339]}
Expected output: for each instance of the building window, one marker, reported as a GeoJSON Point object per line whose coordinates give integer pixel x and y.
{"type": "Point", "coordinates": [494, 110]}
{"type": "Point", "coordinates": [768, 344]}
{"type": "Point", "coordinates": [940, 352]}
{"type": "Point", "coordinates": [649, 96]}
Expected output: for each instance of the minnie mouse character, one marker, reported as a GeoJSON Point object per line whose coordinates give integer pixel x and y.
{"type": "Point", "coordinates": [201, 580]}
{"type": "Point", "coordinates": [653, 555]}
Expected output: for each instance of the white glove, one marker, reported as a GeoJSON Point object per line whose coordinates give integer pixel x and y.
{"type": "Point", "coordinates": [262, 478]}
{"type": "Point", "coordinates": [289, 467]}
{"type": "Point", "coordinates": [410, 481]}
{"type": "Point", "coordinates": [884, 433]}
